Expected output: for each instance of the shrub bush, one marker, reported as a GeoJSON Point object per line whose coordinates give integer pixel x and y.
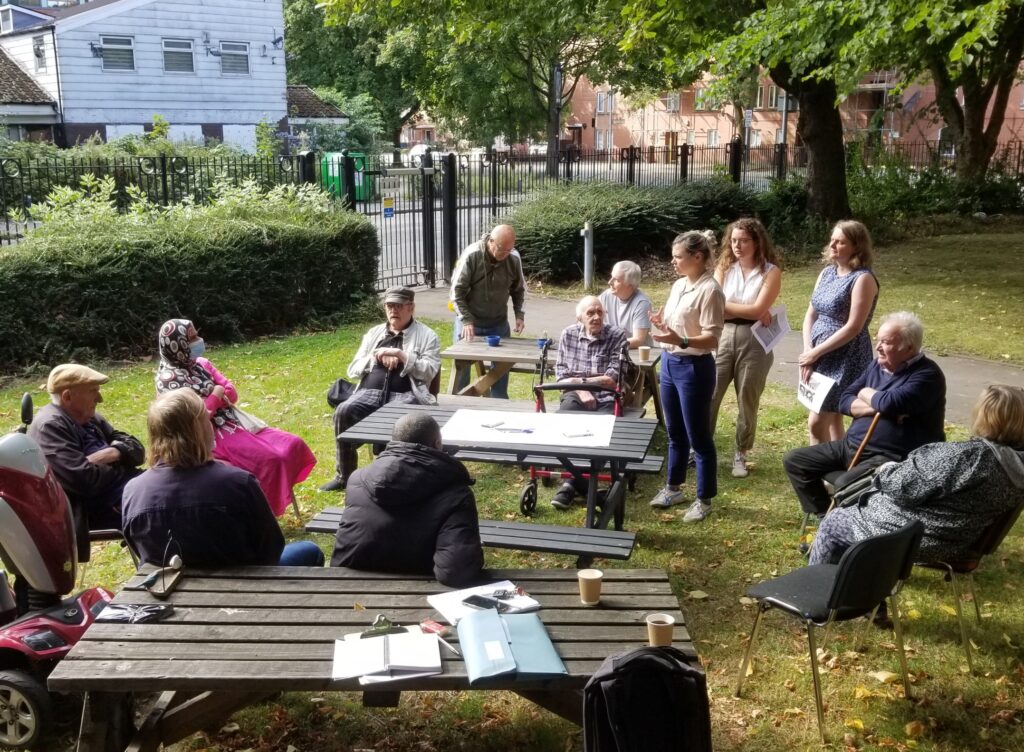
{"type": "Point", "coordinates": [92, 282]}
{"type": "Point", "coordinates": [628, 221]}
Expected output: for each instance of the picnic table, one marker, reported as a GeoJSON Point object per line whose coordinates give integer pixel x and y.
{"type": "Point", "coordinates": [523, 355]}
{"type": "Point", "coordinates": [630, 440]}
{"type": "Point", "coordinates": [238, 636]}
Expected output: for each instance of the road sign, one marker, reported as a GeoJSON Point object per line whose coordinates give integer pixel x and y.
{"type": "Point", "coordinates": [389, 207]}
{"type": "Point", "coordinates": [748, 117]}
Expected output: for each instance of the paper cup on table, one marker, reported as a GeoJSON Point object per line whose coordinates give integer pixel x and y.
{"type": "Point", "coordinates": [644, 353]}
{"type": "Point", "coordinates": [590, 586]}
{"type": "Point", "coordinates": [659, 629]}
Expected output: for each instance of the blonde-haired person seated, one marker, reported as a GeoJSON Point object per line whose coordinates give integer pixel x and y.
{"type": "Point", "coordinates": [216, 514]}
{"type": "Point", "coordinates": [956, 489]}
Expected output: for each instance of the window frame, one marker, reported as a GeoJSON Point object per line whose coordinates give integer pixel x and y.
{"type": "Point", "coordinates": [39, 42]}
{"type": "Point", "coordinates": [235, 54]}
{"type": "Point", "coordinates": [191, 53]}
{"type": "Point", "coordinates": [105, 43]}
{"type": "Point", "coordinates": [712, 136]}
{"type": "Point", "coordinates": [672, 101]}
{"type": "Point", "coordinates": [6, 20]}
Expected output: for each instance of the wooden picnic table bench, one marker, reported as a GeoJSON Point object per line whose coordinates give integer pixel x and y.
{"type": "Point", "coordinates": [586, 543]}
{"type": "Point", "coordinates": [238, 636]}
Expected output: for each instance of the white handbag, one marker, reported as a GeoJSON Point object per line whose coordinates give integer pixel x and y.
{"type": "Point", "coordinates": [248, 421]}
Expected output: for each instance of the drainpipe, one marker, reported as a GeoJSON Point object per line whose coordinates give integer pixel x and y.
{"type": "Point", "coordinates": [62, 141]}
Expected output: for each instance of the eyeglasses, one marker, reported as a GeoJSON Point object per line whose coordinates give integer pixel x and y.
{"type": "Point", "coordinates": [395, 306]}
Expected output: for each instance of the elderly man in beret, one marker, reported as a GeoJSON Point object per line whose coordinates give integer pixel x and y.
{"type": "Point", "coordinates": [92, 460]}
{"type": "Point", "coordinates": [396, 362]}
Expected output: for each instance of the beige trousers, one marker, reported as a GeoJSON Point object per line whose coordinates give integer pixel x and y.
{"type": "Point", "coordinates": [742, 361]}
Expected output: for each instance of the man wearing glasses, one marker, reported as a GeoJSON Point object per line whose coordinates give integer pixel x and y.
{"type": "Point", "coordinates": [488, 273]}
{"type": "Point", "coordinates": [396, 362]}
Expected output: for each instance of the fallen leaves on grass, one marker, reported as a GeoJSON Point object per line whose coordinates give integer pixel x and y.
{"type": "Point", "coordinates": [914, 729]}
{"type": "Point", "coordinates": [885, 677]}
{"type": "Point", "coordinates": [698, 595]}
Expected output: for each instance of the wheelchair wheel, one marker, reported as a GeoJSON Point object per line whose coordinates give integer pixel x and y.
{"type": "Point", "coordinates": [528, 499]}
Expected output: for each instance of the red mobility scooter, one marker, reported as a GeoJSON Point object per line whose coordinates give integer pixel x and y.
{"type": "Point", "coordinates": [37, 547]}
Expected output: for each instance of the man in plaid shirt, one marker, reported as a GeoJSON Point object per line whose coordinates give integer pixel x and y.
{"type": "Point", "coordinates": [588, 353]}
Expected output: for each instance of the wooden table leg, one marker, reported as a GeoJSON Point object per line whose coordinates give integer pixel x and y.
{"type": "Point", "coordinates": [487, 379]}
{"type": "Point", "coordinates": [458, 366]}
{"type": "Point", "coordinates": [107, 723]}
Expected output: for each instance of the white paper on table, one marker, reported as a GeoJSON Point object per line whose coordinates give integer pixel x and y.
{"type": "Point", "coordinates": [812, 394]}
{"type": "Point", "coordinates": [450, 605]}
{"type": "Point", "coordinates": [551, 429]}
{"type": "Point", "coordinates": [770, 336]}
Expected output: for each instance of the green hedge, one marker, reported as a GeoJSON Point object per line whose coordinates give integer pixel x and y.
{"type": "Point", "coordinates": [95, 283]}
{"type": "Point", "coordinates": [628, 221]}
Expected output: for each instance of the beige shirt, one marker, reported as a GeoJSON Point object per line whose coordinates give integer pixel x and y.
{"type": "Point", "coordinates": [694, 308]}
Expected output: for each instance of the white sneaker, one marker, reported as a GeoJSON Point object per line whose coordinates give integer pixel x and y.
{"type": "Point", "coordinates": [666, 498]}
{"type": "Point", "coordinates": [697, 512]}
{"type": "Point", "coordinates": [739, 465]}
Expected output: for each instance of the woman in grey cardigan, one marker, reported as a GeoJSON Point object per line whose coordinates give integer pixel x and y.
{"type": "Point", "coordinates": [956, 489]}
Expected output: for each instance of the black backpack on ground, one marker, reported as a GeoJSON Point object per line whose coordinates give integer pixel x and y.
{"type": "Point", "coordinates": [648, 699]}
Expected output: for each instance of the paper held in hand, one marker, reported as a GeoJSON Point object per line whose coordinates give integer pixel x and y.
{"type": "Point", "coordinates": [770, 336]}
{"type": "Point", "coordinates": [387, 658]}
{"type": "Point", "coordinates": [812, 394]}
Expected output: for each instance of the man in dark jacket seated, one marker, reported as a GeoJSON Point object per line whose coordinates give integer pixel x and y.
{"type": "Point", "coordinates": [412, 511]}
{"type": "Point", "coordinates": [909, 391]}
{"type": "Point", "coordinates": [91, 459]}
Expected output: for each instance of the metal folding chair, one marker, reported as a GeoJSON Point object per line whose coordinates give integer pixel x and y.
{"type": "Point", "coordinates": [989, 540]}
{"type": "Point", "coordinates": [869, 572]}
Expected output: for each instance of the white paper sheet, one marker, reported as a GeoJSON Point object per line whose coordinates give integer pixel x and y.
{"type": "Point", "coordinates": [504, 427]}
{"type": "Point", "coordinates": [450, 606]}
{"type": "Point", "coordinates": [812, 394]}
{"type": "Point", "coordinates": [770, 336]}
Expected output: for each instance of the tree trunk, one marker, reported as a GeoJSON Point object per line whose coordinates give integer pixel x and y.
{"type": "Point", "coordinates": [821, 130]}
{"type": "Point", "coordinates": [554, 126]}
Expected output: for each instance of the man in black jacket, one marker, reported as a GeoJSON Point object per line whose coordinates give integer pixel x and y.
{"type": "Point", "coordinates": [92, 460]}
{"type": "Point", "coordinates": [412, 511]}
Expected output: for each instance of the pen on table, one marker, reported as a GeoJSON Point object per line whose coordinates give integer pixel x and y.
{"type": "Point", "coordinates": [447, 644]}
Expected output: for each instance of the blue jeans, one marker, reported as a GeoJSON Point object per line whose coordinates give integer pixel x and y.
{"type": "Point", "coordinates": [687, 386]}
{"type": "Point", "coordinates": [500, 388]}
{"type": "Point", "coordinates": [302, 554]}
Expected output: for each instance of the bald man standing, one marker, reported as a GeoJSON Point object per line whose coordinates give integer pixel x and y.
{"type": "Point", "coordinates": [488, 273]}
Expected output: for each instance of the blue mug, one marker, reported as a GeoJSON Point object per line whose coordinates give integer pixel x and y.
{"type": "Point", "coordinates": [493, 340]}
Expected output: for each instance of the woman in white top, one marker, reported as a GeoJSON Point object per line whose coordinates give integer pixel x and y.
{"type": "Point", "coordinates": [688, 328]}
{"type": "Point", "coordinates": [751, 282]}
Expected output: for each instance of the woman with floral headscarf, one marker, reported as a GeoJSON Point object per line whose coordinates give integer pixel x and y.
{"type": "Point", "coordinates": [278, 459]}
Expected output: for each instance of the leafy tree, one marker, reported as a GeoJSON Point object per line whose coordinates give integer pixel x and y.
{"type": "Point", "coordinates": [507, 65]}
{"type": "Point", "coordinates": [365, 129]}
{"type": "Point", "coordinates": [349, 59]}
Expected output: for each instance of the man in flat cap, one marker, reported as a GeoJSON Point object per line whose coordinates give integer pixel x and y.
{"type": "Point", "coordinates": [396, 362]}
{"type": "Point", "coordinates": [92, 460]}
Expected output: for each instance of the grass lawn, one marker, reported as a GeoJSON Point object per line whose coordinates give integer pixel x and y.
{"type": "Point", "coordinates": [750, 536]}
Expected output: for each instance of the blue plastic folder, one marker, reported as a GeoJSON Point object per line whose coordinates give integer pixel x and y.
{"type": "Point", "coordinates": [496, 644]}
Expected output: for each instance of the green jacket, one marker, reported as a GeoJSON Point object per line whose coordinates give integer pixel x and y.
{"type": "Point", "coordinates": [482, 286]}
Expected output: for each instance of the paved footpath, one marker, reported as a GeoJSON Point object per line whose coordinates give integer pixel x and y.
{"type": "Point", "coordinates": [965, 377]}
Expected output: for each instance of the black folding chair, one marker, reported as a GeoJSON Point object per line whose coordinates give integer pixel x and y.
{"type": "Point", "coordinates": [869, 572]}
{"type": "Point", "coordinates": [989, 540]}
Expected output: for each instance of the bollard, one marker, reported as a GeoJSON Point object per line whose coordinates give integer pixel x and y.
{"type": "Point", "coordinates": [588, 255]}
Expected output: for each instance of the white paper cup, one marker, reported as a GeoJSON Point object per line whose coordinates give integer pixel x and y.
{"type": "Point", "coordinates": [644, 353]}
{"type": "Point", "coordinates": [659, 629]}
{"type": "Point", "coordinates": [590, 586]}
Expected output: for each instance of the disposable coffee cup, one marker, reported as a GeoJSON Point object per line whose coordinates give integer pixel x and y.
{"type": "Point", "coordinates": [590, 586]}
{"type": "Point", "coordinates": [644, 353]}
{"type": "Point", "coordinates": [659, 629]}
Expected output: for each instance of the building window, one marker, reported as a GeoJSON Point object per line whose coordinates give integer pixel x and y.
{"type": "Point", "coordinates": [702, 101]}
{"type": "Point", "coordinates": [760, 98]}
{"type": "Point", "coordinates": [773, 97]}
{"type": "Point", "coordinates": [234, 58]}
{"type": "Point", "coordinates": [178, 57]}
{"type": "Point", "coordinates": [671, 101]}
{"type": "Point", "coordinates": [118, 53]}
{"type": "Point", "coordinates": [598, 139]}
{"type": "Point", "coordinates": [712, 138]}
{"type": "Point", "coordinates": [39, 53]}
{"type": "Point", "coordinates": [755, 138]}
{"type": "Point", "coordinates": [6, 20]}
{"type": "Point", "coordinates": [691, 137]}
{"type": "Point", "coordinates": [778, 135]}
